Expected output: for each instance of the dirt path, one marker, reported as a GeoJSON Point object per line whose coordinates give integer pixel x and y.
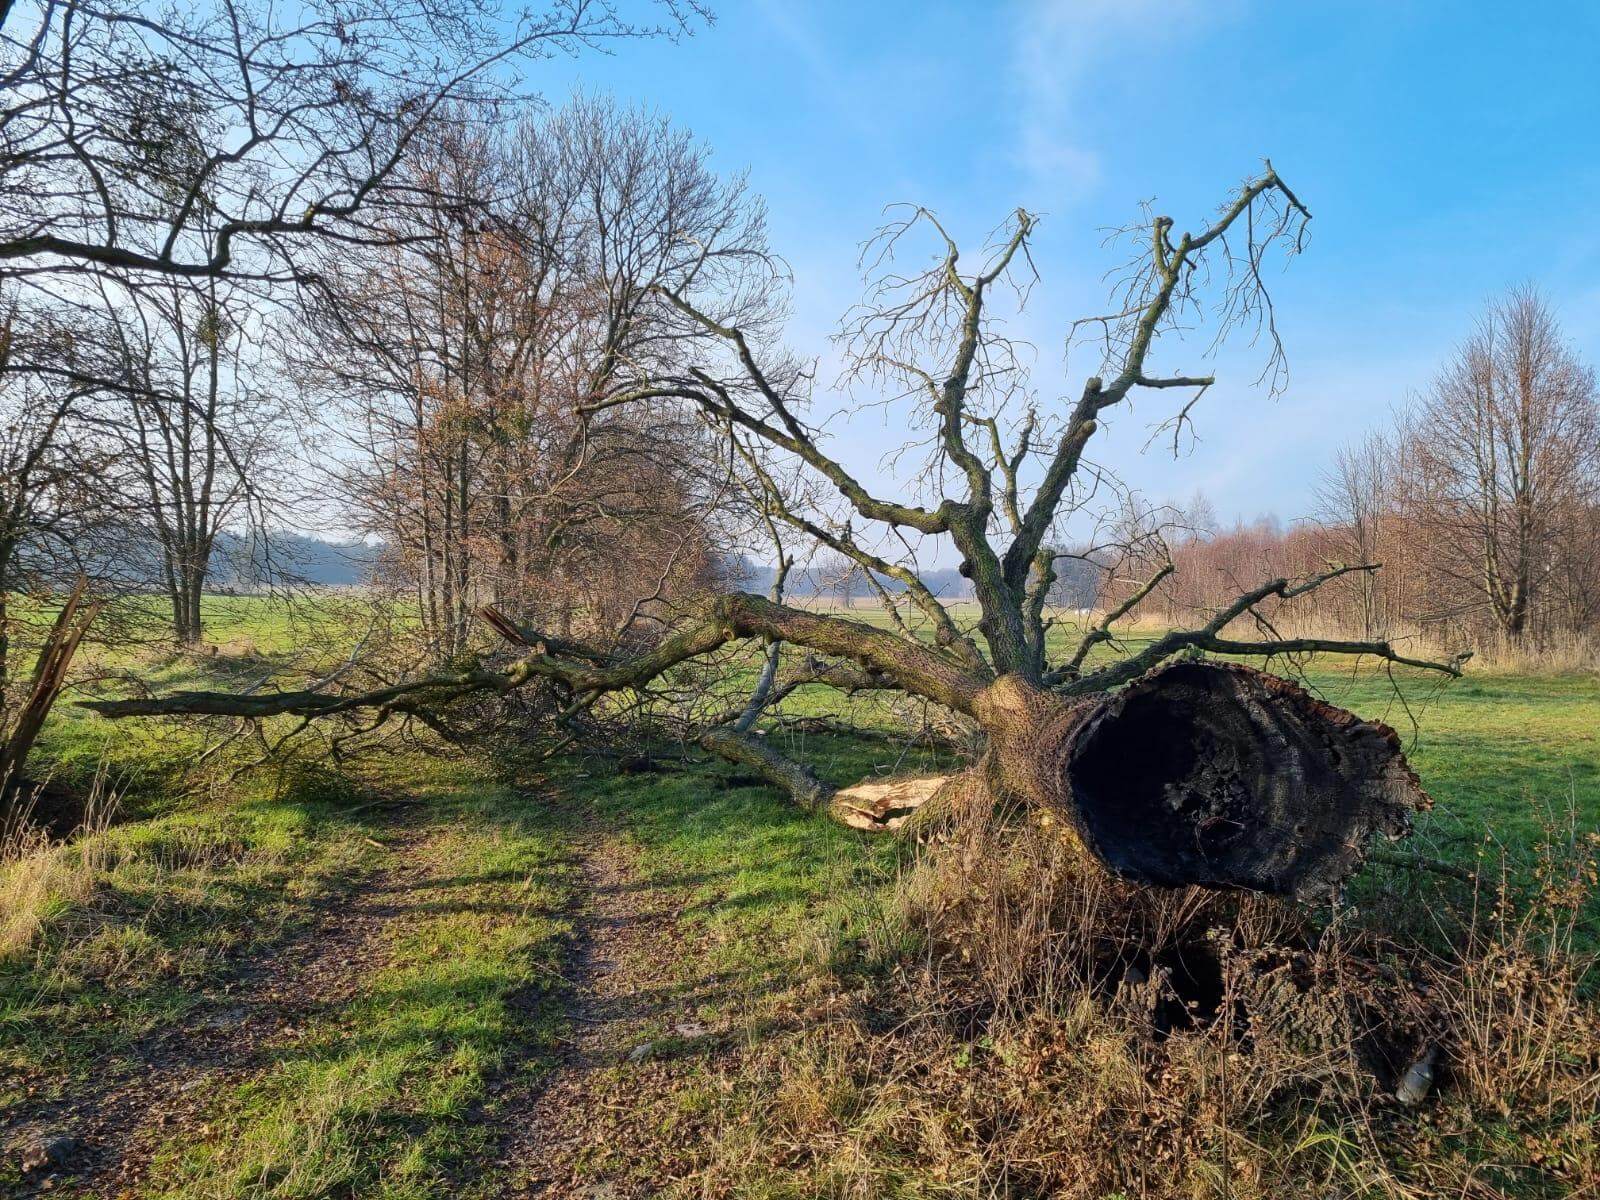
{"type": "Point", "coordinates": [600, 1118]}
{"type": "Point", "coordinates": [166, 1080]}
{"type": "Point", "coordinates": [591, 1125]}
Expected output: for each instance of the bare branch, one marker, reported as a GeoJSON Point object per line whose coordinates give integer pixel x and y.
{"type": "Point", "coordinates": [1208, 637]}
{"type": "Point", "coordinates": [1161, 282]}
{"type": "Point", "coordinates": [1102, 631]}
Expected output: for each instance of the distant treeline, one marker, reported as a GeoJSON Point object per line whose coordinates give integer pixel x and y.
{"type": "Point", "coordinates": [831, 582]}
{"type": "Point", "coordinates": [239, 563]}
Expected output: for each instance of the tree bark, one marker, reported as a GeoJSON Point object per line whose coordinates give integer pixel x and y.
{"type": "Point", "coordinates": [49, 675]}
{"type": "Point", "coordinates": [1206, 773]}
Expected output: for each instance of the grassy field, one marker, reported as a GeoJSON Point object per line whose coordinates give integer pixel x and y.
{"type": "Point", "coordinates": [434, 976]}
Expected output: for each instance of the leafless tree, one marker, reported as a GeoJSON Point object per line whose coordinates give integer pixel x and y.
{"type": "Point", "coordinates": [1355, 499]}
{"type": "Point", "coordinates": [1574, 585]}
{"type": "Point", "coordinates": [194, 428]}
{"type": "Point", "coordinates": [1197, 773]}
{"type": "Point", "coordinates": [51, 511]}
{"type": "Point", "coordinates": [33, 465]}
{"type": "Point", "coordinates": [1507, 450]}
{"type": "Point", "coordinates": [837, 575]}
{"type": "Point", "coordinates": [458, 361]}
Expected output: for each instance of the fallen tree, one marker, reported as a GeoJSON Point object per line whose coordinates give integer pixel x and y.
{"type": "Point", "coordinates": [1172, 772]}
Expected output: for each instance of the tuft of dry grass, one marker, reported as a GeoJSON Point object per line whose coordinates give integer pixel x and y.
{"type": "Point", "coordinates": [1558, 654]}
{"type": "Point", "coordinates": [41, 878]}
{"type": "Point", "coordinates": [1054, 1031]}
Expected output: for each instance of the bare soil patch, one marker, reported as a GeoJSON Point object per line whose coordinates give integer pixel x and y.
{"type": "Point", "coordinates": [605, 1121]}
{"type": "Point", "coordinates": [116, 1118]}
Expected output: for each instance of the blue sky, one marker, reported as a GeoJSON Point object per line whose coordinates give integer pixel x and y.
{"type": "Point", "coordinates": [1446, 150]}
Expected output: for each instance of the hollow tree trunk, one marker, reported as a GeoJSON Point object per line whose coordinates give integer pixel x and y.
{"type": "Point", "coordinates": [1197, 773]}
{"type": "Point", "coordinates": [1206, 773]}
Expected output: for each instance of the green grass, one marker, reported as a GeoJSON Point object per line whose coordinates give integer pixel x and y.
{"type": "Point", "coordinates": [138, 926]}
{"type": "Point", "coordinates": [383, 1096]}
{"type": "Point", "coordinates": [175, 900]}
{"type": "Point", "coordinates": [754, 869]}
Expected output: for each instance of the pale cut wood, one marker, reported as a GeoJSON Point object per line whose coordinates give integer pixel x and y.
{"type": "Point", "coordinates": [885, 803]}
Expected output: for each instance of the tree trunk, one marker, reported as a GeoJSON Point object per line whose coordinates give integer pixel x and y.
{"type": "Point", "coordinates": [189, 577]}
{"type": "Point", "coordinates": [49, 675]}
{"type": "Point", "coordinates": [1206, 773]}
{"type": "Point", "coordinates": [1199, 773]}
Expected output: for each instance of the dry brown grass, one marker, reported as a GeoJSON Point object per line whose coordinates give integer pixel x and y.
{"type": "Point", "coordinates": [1564, 653]}
{"type": "Point", "coordinates": [40, 877]}
{"type": "Point", "coordinates": [1060, 1033]}
{"type": "Point", "coordinates": [1560, 654]}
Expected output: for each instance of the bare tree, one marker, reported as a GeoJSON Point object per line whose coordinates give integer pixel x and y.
{"type": "Point", "coordinates": [837, 575]}
{"type": "Point", "coordinates": [194, 427]}
{"type": "Point", "coordinates": [1354, 500]}
{"type": "Point", "coordinates": [459, 361]}
{"type": "Point", "coordinates": [1507, 450]}
{"type": "Point", "coordinates": [34, 464]}
{"type": "Point", "coordinates": [1573, 589]}
{"type": "Point", "coordinates": [1197, 773]}
{"type": "Point", "coordinates": [51, 509]}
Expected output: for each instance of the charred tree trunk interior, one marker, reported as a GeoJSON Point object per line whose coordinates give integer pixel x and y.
{"type": "Point", "coordinates": [1210, 774]}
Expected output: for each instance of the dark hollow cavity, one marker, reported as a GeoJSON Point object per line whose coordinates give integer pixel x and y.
{"type": "Point", "coordinates": [1232, 778]}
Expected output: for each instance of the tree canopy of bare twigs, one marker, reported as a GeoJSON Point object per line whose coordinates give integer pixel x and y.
{"type": "Point", "coordinates": [1507, 450]}
{"type": "Point", "coordinates": [214, 139]}
{"type": "Point", "coordinates": [1483, 499]}
{"type": "Point", "coordinates": [455, 365]}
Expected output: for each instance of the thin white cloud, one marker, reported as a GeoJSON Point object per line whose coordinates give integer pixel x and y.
{"type": "Point", "coordinates": [829, 86]}
{"type": "Point", "coordinates": [1060, 48]}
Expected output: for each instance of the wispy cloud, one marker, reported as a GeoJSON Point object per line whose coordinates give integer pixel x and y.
{"type": "Point", "coordinates": [829, 85]}
{"type": "Point", "coordinates": [1062, 50]}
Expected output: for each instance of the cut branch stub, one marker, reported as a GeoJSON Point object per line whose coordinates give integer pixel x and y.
{"type": "Point", "coordinates": [878, 804]}
{"type": "Point", "coordinates": [1224, 776]}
